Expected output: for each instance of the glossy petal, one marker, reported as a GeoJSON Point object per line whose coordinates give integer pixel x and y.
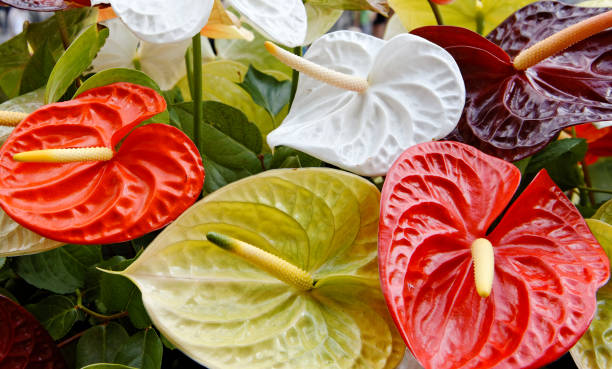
{"type": "Point", "coordinates": [365, 132]}
{"type": "Point", "coordinates": [37, 5]}
{"type": "Point", "coordinates": [162, 21]}
{"type": "Point", "coordinates": [437, 199]}
{"type": "Point", "coordinates": [154, 176]}
{"type": "Point", "coordinates": [24, 343]}
{"type": "Point", "coordinates": [225, 313]}
{"type": "Point", "coordinates": [284, 21]}
{"type": "Point", "coordinates": [512, 114]}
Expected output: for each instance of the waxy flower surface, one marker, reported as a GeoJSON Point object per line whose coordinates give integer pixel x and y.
{"type": "Point", "coordinates": [155, 174]}
{"type": "Point", "coordinates": [514, 113]}
{"type": "Point", "coordinates": [438, 202]}
{"type": "Point", "coordinates": [411, 92]}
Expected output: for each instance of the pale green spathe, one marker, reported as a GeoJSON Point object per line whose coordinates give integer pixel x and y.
{"type": "Point", "coordinates": [226, 313]}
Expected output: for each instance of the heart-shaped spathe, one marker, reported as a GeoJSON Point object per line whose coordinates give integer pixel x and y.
{"type": "Point", "coordinates": [151, 179]}
{"type": "Point", "coordinates": [415, 94]}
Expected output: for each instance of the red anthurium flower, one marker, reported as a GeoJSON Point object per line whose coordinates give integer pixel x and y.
{"type": "Point", "coordinates": [514, 113]}
{"type": "Point", "coordinates": [149, 181]}
{"type": "Point", "coordinates": [24, 343]}
{"type": "Point", "coordinates": [438, 202]}
{"type": "Point", "coordinates": [599, 141]}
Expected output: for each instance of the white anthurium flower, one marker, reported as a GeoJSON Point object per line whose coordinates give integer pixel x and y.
{"type": "Point", "coordinates": [164, 63]}
{"type": "Point", "coordinates": [392, 95]}
{"type": "Point", "coordinates": [601, 125]}
{"type": "Point", "coordinates": [284, 21]}
{"type": "Point", "coordinates": [162, 21]}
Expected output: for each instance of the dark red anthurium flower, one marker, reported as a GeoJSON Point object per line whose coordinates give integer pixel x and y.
{"type": "Point", "coordinates": [512, 114]}
{"type": "Point", "coordinates": [599, 141]}
{"type": "Point", "coordinates": [150, 180]}
{"type": "Point", "coordinates": [45, 5]}
{"type": "Point", "coordinates": [439, 198]}
{"type": "Point", "coordinates": [24, 343]}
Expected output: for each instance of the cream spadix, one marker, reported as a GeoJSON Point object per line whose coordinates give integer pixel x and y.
{"type": "Point", "coordinates": [406, 91]}
{"type": "Point", "coordinates": [484, 266]}
{"type": "Point", "coordinates": [70, 155]}
{"type": "Point", "coordinates": [11, 118]}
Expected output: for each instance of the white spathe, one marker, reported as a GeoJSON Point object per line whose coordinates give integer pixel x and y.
{"type": "Point", "coordinates": [162, 21]}
{"type": "Point", "coordinates": [284, 21]}
{"type": "Point", "coordinates": [416, 94]}
{"type": "Point", "coordinates": [164, 63]}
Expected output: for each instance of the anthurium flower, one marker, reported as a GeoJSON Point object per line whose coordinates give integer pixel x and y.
{"type": "Point", "coordinates": [283, 21]}
{"type": "Point", "coordinates": [288, 279]}
{"type": "Point", "coordinates": [24, 343]}
{"type": "Point", "coordinates": [365, 100]}
{"type": "Point", "coordinates": [599, 141]}
{"type": "Point", "coordinates": [464, 296]}
{"type": "Point", "coordinates": [162, 21]}
{"type": "Point", "coordinates": [224, 24]}
{"type": "Point", "coordinates": [512, 111]}
{"type": "Point", "coordinates": [164, 63]}
{"type": "Point", "coordinates": [91, 192]}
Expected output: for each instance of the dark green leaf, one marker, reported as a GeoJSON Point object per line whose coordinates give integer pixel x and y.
{"type": "Point", "coordinates": [7, 293]}
{"type": "Point", "coordinates": [560, 159]}
{"type": "Point", "coordinates": [74, 61]}
{"type": "Point", "coordinates": [108, 76]}
{"type": "Point", "coordinates": [225, 159]}
{"type": "Point", "coordinates": [61, 270]}
{"type": "Point", "coordinates": [37, 70]}
{"type": "Point", "coordinates": [286, 157]}
{"type": "Point", "coordinates": [101, 344]}
{"type": "Point", "coordinates": [167, 344]}
{"type": "Point", "coordinates": [233, 123]}
{"type": "Point", "coordinates": [14, 57]}
{"type": "Point", "coordinates": [143, 350]}
{"type": "Point", "coordinates": [266, 90]}
{"type": "Point", "coordinates": [117, 294]}
{"type": "Point", "coordinates": [601, 178]}
{"type": "Point", "coordinates": [46, 33]}
{"type": "Point", "coordinates": [57, 314]}
{"type": "Point", "coordinates": [522, 164]}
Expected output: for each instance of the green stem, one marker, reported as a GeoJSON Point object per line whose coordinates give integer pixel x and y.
{"type": "Point", "coordinates": [436, 12]}
{"type": "Point", "coordinates": [479, 18]}
{"type": "Point", "coordinates": [589, 185]}
{"type": "Point", "coordinates": [197, 88]}
{"type": "Point", "coordinates": [82, 307]}
{"type": "Point", "coordinates": [591, 189]}
{"type": "Point", "coordinates": [295, 76]}
{"type": "Point", "coordinates": [63, 29]}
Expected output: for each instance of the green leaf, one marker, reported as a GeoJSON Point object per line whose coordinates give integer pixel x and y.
{"type": "Point", "coordinates": [57, 314]}
{"type": "Point", "coordinates": [266, 90]}
{"type": "Point", "coordinates": [461, 13]}
{"type": "Point", "coordinates": [225, 312]}
{"type": "Point", "coordinates": [37, 70]}
{"type": "Point", "coordinates": [560, 159]}
{"type": "Point", "coordinates": [320, 20]}
{"type": "Point", "coordinates": [119, 294]}
{"type": "Point", "coordinates": [594, 349]}
{"type": "Point", "coordinates": [225, 159]}
{"type": "Point", "coordinates": [601, 178]}
{"type": "Point", "coordinates": [61, 270]}
{"type": "Point", "coordinates": [101, 344]}
{"type": "Point", "coordinates": [107, 366]}
{"type": "Point", "coordinates": [74, 61]}
{"type": "Point", "coordinates": [15, 56]}
{"type": "Point", "coordinates": [233, 123]}
{"type": "Point", "coordinates": [143, 350]}
{"type": "Point", "coordinates": [286, 157]}
{"type": "Point", "coordinates": [108, 76]}
{"type": "Point", "coordinates": [604, 213]}
{"type": "Point", "coordinates": [220, 83]}
{"type": "Point", "coordinates": [46, 34]}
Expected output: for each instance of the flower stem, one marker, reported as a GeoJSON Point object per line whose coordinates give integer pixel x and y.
{"type": "Point", "coordinates": [197, 88]}
{"type": "Point", "coordinates": [479, 18]}
{"type": "Point", "coordinates": [587, 181]}
{"type": "Point", "coordinates": [272, 264]}
{"type": "Point", "coordinates": [562, 40]}
{"type": "Point", "coordinates": [436, 12]}
{"type": "Point", "coordinates": [295, 76]}
{"type": "Point", "coordinates": [82, 307]}
{"type": "Point", "coordinates": [591, 190]}
{"type": "Point", "coordinates": [63, 29]}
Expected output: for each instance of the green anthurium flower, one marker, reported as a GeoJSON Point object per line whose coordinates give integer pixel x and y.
{"type": "Point", "coordinates": [291, 280]}
{"type": "Point", "coordinates": [594, 349]}
{"type": "Point", "coordinates": [480, 16]}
